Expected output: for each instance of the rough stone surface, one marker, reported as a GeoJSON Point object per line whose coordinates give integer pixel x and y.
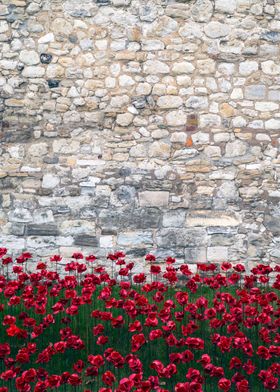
{"type": "Point", "coordinates": [134, 125]}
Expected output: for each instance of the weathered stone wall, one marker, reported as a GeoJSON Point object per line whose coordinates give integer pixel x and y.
{"type": "Point", "coordinates": [141, 125]}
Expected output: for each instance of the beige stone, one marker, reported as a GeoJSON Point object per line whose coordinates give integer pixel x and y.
{"type": "Point", "coordinates": [124, 119]}
{"type": "Point", "coordinates": [169, 102]}
{"type": "Point", "coordinates": [61, 26]}
{"type": "Point", "coordinates": [159, 149]}
{"type": "Point", "coordinates": [153, 198]}
{"type": "Point", "coordinates": [212, 218]}
{"type": "Point", "coordinates": [227, 110]}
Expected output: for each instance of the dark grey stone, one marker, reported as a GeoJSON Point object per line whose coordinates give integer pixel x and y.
{"type": "Point", "coordinates": [141, 218]}
{"type": "Point", "coordinates": [136, 252]}
{"type": "Point", "coordinates": [16, 135]}
{"type": "Point", "coordinates": [46, 58]}
{"type": "Point", "coordinates": [73, 38]}
{"type": "Point", "coordinates": [126, 194]}
{"type": "Point", "coordinates": [103, 2]}
{"type": "Point", "coordinates": [86, 240]}
{"type": "Point", "coordinates": [42, 229]}
{"type": "Point", "coordinates": [61, 210]}
{"type": "Point", "coordinates": [20, 67]}
{"type": "Point", "coordinates": [124, 171]}
{"type": "Point", "coordinates": [53, 83]}
{"type": "Point", "coordinates": [51, 160]}
{"type": "Point", "coordinates": [8, 183]}
{"type": "Point", "coordinates": [139, 102]}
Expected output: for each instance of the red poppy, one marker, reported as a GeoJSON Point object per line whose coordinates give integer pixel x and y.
{"type": "Point", "coordinates": [108, 378]}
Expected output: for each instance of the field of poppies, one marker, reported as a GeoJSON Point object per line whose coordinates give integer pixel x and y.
{"type": "Point", "coordinates": [100, 327]}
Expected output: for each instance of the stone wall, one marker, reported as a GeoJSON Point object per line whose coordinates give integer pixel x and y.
{"type": "Point", "coordinates": [141, 125]}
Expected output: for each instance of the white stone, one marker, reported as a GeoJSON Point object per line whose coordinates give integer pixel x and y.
{"type": "Point", "coordinates": [212, 151]}
{"type": "Point", "coordinates": [273, 124]}
{"type": "Point", "coordinates": [206, 66]}
{"type": "Point", "coordinates": [55, 71]}
{"type": "Point", "coordinates": [8, 64]}
{"type": "Point", "coordinates": [90, 162]}
{"type": "Point", "coordinates": [248, 67]}
{"type": "Point", "coordinates": [29, 57]}
{"type": "Point", "coordinates": [235, 149]}
{"type": "Point", "coordinates": [46, 38]}
{"type": "Point", "coordinates": [183, 67]}
{"type": "Point", "coordinates": [223, 174]}
{"type": "Point", "coordinates": [124, 119]}
{"type": "Point", "coordinates": [110, 82]}
{"type": "Point", "coordinates": [217, 253]}
{"type": "Point", "coordinates": [200, 137]}
{"type": "Point", "coordinates": [50, 181]}
{"type": "Point", "coordinates": [152, 44]}
{"type": "Point", "coordinates": [178, 137]}
{"type": "Point", "coordinates": [227, 190]}
{"type": "Point", "coordinates": [143, 89]}
{"type": "Point", "coordinates": [183, 80]}
{"type": "Point", "coordinates": [66, 146]}
{"type": "Point", "coordinates": [226, 69]}
{"type": "Point", "coordinates": [176, 118]}
{"type": "Point", "coordinates": [155, 67]}
{"type": "Point", "coordinates": [216, 29]}
{"type": "Point", "coordinates": [169, 101]}
{"type": "Point", "coordinates": [197, 102]}
{"type": "Point", "coordinates": [209, 120]}
{"type": "Point", "coordinates": [226, 6]}
{"type": "Point", "coordinates": [101, 44]}
{"type": "Point", "coordinates": [237, 93]}
{"type": "Point", "coordinates": [33, 72]}
{"type": "Point", "coordinates": [38, 149]}
{"type": "Point", "coordinates": [138, 151]}
{"type": "Point", "coordinates": [202, 10]}
{"type": "Point", "coordinates": [270, 68]}
{"type": "Point", "coordinates": [4, 27]}
{"type": "Point", "coordinates": [106, 241]}
{"type": "Point", "coordinates": [263, 137]}
{"type": "Point", "coordinates": [159, 133]}
{"type": "Point", "coordinates": [266, 106]}
{"type": "Point", "coordinates": [239, 122]}
{"type": "Point", "coordinates": [159, 149]}
{"type": "Point", "coordinates": [119, 101]}
{"type": "Point", "coordinates": [61, 26]}
{"type": "Point", "coordinates": [126, 81]}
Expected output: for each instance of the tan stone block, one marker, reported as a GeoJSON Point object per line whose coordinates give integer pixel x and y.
{"type": "Point", "coordinates": [227, 110]}
{"type": "Point", "coordinates": [212, 218]}
{"type": "Point", "coordinates": [153, 198]}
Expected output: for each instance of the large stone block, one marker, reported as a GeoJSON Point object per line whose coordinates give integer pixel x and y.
{"type": "Point", "coordinates": [86, 240]}
{"type": "Point", "coordinates": [153, 198]}
{"type": "Point", "coordinates": [181, 238]}
{"type": "Point", "coordinates": [212, 218]}
{"type": "Point", "coordinates": [42, 230]}
{"type": "Point", "coordinates": [131, 239]}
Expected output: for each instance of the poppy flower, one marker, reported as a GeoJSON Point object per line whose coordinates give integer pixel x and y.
{"type": "Point", "coordinates": [224, 384]}
{"type": "Point", "coordinates": [108, 378]}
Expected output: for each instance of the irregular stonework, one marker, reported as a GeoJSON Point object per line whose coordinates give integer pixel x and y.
{"type": "Point", "coordinates": [145, 126]}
